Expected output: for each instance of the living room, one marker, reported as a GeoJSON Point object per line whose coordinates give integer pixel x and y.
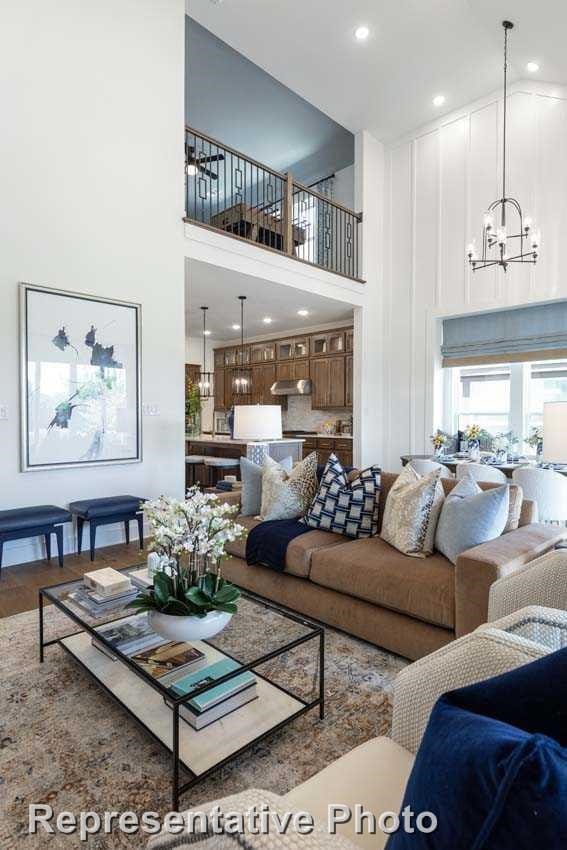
{"type": "Point", "coordinates": [349, 650]}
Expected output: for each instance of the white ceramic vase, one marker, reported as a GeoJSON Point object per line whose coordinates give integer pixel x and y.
{"type": "Point", "coordinates": [188, 628]}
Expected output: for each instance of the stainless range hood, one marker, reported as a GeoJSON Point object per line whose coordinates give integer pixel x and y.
{"type": "Point", "coordinates": [302, 387]}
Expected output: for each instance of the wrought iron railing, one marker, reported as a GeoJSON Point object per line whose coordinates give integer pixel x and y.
{"type": "Point", "coordinates": [228, 191]}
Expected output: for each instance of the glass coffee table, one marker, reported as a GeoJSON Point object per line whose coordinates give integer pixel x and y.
{"type": "Point", "coordinates": [259, 637]}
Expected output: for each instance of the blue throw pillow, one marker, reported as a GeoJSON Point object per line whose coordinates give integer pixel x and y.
{"type": "Point", "coordinates": [471, 516]}
{"type": "Point", "coordinates": [492, 765]}
{"type": "Point", "coordinates": [346, 508]}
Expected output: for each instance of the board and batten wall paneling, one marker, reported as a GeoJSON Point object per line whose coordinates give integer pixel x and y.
{"type": "Point", "coordinates": [441, 179]}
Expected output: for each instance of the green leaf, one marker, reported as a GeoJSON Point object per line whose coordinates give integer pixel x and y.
{"type": "Point", "coordinates": [228, 607]}
{"type": "Point", "coordinates": [177, 608]}
{"type": "Point", "coordinates": [163, 587]}
{"type": "Point", "coordinates": [227, 593]}
{"type": "Point", "coordinates": [209, 584]}
{"type": "Point", "coordinates": [197, 597]}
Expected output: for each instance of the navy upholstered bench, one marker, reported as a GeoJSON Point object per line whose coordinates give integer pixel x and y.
{"type": "Point", "coordinates": [105, 512]}
{"type": "Point", "coordinates": [35, 521]}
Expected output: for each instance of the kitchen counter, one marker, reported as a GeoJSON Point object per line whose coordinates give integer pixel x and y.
{"type": "Point", "coordinates": [322, 436]}
{"type": "Point", "coordinates": [221, 445]}
{"type": "Point", "coordinates": [224, 439]}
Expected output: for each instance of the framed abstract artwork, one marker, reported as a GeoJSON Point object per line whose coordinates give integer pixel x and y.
{"type": "Point", "coordinates": [80, 379]}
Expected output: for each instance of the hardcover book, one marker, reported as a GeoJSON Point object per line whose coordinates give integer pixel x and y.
{"type": "Point", "coordinates": [107, 581]}
{"type": "Point", "coordinates": [169, 658]}
{"type": "Point", "coordinates": [131, 634]}
{"type": "Point", "coordinates": [198, 720]}
{"type": "Point", "coordinates": [209, 675]}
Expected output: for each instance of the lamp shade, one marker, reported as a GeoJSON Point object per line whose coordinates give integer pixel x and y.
{"type": "Point", "coordinates": [258, 422]}
{"type": "Point", "coordinates": [555, 431]}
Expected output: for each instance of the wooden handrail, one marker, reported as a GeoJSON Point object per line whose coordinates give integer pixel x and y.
{"type": "Point", "coordinates": [234, 152]}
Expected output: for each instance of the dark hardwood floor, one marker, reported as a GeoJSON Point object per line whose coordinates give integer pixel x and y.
{"type": "Point", "coordinates": [19, 584]}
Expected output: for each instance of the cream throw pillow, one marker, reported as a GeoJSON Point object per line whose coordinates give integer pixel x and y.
{"type": "Point", "coordinates": [288, 495]}
{"type": "Point", "coordinates": [412, 511]}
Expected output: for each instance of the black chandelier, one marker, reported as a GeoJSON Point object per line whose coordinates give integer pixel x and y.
{"type": "Point", "coordinates": [496, 226]}
{"type": "Point", "coordinates": [205, 378]}
{"type": "Point", "coordinates": [242, 376]}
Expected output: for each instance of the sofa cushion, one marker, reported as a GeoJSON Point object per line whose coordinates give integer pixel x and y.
{"type": "Point", "coordinates": [411, 512]}
{"type": "Point", "coordinates": [376, 572]}
{"type": "Point", "coordinates": [107, 506]}
{"type": "Point", "coordinates": [346, 507]}
{"type": "Point", "coordinates": [17, 519]}
{"type": "Point", "coordinates": [470, 517]}
{"type": "Point", "coordinates": [299, 551]}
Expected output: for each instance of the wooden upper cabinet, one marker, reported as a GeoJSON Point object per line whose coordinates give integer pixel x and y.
{"type": "Point", "coordinates": [328, 376]}
{"type": "Point", "coordinates": [219, 358]}
{"type": "Point", "coordinates": [349, 340]}
{"type": "Point", "coordinates": [285, 371]}
{"type": "Point", "coordinates": [220, 397]}
{"type": "Point", "coordinates": [284, 349]}
{"type": "Point", "coordinates": [230, 357]}
{"type": "Point", "coordinates": [300, 347]}
{"type": "Point", "coordinates": [262, 352]}
{"type": "Point", "coordinates": [336, 396]}
{"type": "Point", "coordinates": [301, 370]}
{"type": "Point", "coordinates": [332, 342]}
{"type": "Point", "coordinates": [348, 380]}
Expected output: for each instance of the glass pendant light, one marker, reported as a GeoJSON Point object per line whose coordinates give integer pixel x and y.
{"type": "Point", "coordinates": [242, 375]}
{"type": "Point", "coordinates": [205, 377]}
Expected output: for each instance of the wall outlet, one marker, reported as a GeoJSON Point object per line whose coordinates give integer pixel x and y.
{"type": "Point", "coordinates": [150, 410]}
{"type": "Point", "coordinates": [3, 411]}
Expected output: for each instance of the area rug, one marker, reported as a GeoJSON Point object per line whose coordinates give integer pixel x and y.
{"type": "Point", "coordinates": [64, 742]}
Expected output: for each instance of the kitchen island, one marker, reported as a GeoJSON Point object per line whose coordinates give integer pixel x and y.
{"type": "Point", "coordinates": [222, 445]}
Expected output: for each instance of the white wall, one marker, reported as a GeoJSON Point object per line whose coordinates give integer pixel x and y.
{"type": "Point", "coordinates": [91, 165]}
{"type": "Point", "coordinates": [440, 179]}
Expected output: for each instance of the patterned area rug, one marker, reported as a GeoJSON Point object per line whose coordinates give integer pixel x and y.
{"type": "Point", "coordinates": [64, 742]}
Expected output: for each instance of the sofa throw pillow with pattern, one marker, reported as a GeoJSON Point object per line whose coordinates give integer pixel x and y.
{"type": "Point", "coordinates": [346, 507]}
{"type": "Point", "coordinates": [251, 475]}
{"type": "Point", "coordinates": [471, 516]}
{"type": "Point", "coordinates": [288, 495]}
{"type": "Point", "coordinates": [411, 512]}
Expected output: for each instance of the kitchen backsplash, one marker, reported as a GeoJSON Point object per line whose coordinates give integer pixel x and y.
{"type": "Point", "coordinates": [299, 415]}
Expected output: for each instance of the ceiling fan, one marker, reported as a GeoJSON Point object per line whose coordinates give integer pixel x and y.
{"type": "Point", "coordinates": [196, 164]}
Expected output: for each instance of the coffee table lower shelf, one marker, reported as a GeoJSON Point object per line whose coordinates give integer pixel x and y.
{"type": "Point", "coordinates": [198, 752]}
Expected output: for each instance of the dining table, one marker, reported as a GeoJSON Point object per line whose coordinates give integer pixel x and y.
{"type": "Point", "coordinates": [452, 462]}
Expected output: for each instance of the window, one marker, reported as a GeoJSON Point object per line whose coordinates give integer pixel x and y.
{"type": "Point", "coordinates": [483, 398]}
{"type": "Point", "coordinates": [503, 398]}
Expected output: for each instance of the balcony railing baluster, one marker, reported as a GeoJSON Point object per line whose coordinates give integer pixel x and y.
{"type": "Point", "coordinates": [228, 191]}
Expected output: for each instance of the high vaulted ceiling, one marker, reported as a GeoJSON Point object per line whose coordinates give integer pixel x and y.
{"type": "Point", "coordinates": [417, 49]}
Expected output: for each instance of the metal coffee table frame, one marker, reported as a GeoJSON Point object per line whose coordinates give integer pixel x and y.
{"type": "Point", "coordinates": [177, 765]}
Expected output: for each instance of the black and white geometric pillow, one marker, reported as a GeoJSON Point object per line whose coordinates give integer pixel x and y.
{"type": "Point", "coordinates": [346, 508]}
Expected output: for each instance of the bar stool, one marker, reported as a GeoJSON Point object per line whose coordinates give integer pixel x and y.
{"type": "Point", "coordinates": [218, 465]}
{"type": "Point", "coordinates": [192, 461]}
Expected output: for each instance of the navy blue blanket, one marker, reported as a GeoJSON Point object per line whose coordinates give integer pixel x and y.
{"type": "Point", "coordinates": [267, 543]}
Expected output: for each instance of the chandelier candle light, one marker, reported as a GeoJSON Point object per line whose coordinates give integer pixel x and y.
{"type": "Point", "coordinates": [205, 378]}
{"type": "Point", "coordinates": [242, 378]}
{"type": "Point", "coordinates": [497, 233]}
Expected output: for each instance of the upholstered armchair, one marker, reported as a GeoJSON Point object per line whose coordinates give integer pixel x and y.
{"type": "Point", "coordinates": [375, 773]}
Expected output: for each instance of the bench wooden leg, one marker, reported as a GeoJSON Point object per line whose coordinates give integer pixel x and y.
{"type": "Point", "coordinates": [92, 530]}
{"type": "Point", "coordinates": [127, 529]}
{"type": "Point", "coordinates": [140, 520]}
{"type": "Point", "coordinates": [80, 524]}
{"type": "Point", "coordinates": [48, 545]}
{"type": "Point", "coordinates": [59, 537]}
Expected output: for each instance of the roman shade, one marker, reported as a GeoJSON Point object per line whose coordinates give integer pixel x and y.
{"type": "Point", "coordinates": [538, 332]}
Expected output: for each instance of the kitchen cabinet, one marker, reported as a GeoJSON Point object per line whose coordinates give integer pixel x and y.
{"type": "Point", "coordinates": [332, 342]}
{"type": "Point", "coordinates": [324, 446]}
{"type": "Point", "coordinates": [292, 349]}
{"type": "Point", "coordinates": [263, 376]}
{"type": "Point", "coordinates": [328, 377]}
{"type": "Point", "coordinates": [293, 370]}
{"type": "Point", "coordinates": [349, 340]}
{"type": "Point", "coordinates": [219, 358]}
{"type": "Point", "coordinates": [262, 352]}
{"type": "Point", "coordinates": [220, 396]}
{"type": "Point", "coordinates": [348, 380]}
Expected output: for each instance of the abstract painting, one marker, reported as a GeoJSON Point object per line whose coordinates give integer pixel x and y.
{"type": "Point", "coordinates": [80, 379]}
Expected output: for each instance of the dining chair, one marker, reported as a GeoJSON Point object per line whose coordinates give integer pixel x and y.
{"type": "Point", "coordinates": [481, 472]}
{"type": "Point", "coordinates": [547, 488]}
{"type": "Point", "coordinates": [424, 467]}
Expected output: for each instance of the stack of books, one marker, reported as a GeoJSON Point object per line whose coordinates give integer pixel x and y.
{"type": "Point", "coordinates": [103, 592]}
{"type": "Point", "coordinates": [217, 702]}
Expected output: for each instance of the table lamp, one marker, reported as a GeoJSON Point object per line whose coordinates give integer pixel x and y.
{"type": "Point", "coordinates": [555, 432]}
{"type": "Point", "coordinates": [258, 422]}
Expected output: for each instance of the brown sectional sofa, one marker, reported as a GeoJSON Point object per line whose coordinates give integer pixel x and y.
{"type": "Point", "coordinates": [410, 606]}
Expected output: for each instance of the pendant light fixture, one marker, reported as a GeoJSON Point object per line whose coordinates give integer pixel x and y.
{"type": "Point", "coordinates": [205, 377]}
{"type": "Point", "coordinates": [500, 232]}
{"type": "Point", "coordinates": [242, 375]}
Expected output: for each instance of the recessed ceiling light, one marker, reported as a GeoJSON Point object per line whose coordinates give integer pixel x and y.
{"type": "Point", "coordinates": [303, 312]}
{"type": "Point", "coordinates": [532, 67]}
{"type": "Point", "coordinates": [361, 33]}
{"type": "Point", "coordinates": [235, 327]}
{"type": "Point", "coordinates": [439, 100]}
{"type": "Point", "coordinates": [206, 333]}
{"type": "Point", "coordinates": [267, 320]}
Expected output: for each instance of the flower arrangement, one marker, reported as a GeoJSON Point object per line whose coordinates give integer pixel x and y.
{"type": "Point", "coordinates": [535, 439]}
{"type": "Point", "coordinates": [473, 433]}
{"type": "Point", "coordinates": [191, 537]}
{"type": "Point", "coordinates": [439, 439]}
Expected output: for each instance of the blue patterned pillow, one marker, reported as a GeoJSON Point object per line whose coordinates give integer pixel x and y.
{"type": "Point", "coordinates": [346, 508]}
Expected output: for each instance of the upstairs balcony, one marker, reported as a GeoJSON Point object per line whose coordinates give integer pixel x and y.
{"type": "Point", "coordinates": [228, 191]}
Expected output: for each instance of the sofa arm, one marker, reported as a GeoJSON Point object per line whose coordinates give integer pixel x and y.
{"type": "Point", "coordinates": [479, 567]}
{"type": "Point", "coordinates": [529, 513]}
{"type": "Point", "coordinates": [487, 652]}
{"type": "Point", "coordinates": [541, 582]}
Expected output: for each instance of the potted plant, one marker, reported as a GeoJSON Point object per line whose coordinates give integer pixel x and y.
{"type": "Point", "coordinates": [535, 441]}
{"type": "Point", "coordinates": [473, 434]}
{"type": "Point", "coordinates": [189, 599]}
{"type": "Point", "coordinates": [439, 440]}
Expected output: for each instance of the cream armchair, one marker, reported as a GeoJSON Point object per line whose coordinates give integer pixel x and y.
{"type": "Point", "coordinates": [375, 774]}
{"type": "Point", "coordinates": [542, 581]}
